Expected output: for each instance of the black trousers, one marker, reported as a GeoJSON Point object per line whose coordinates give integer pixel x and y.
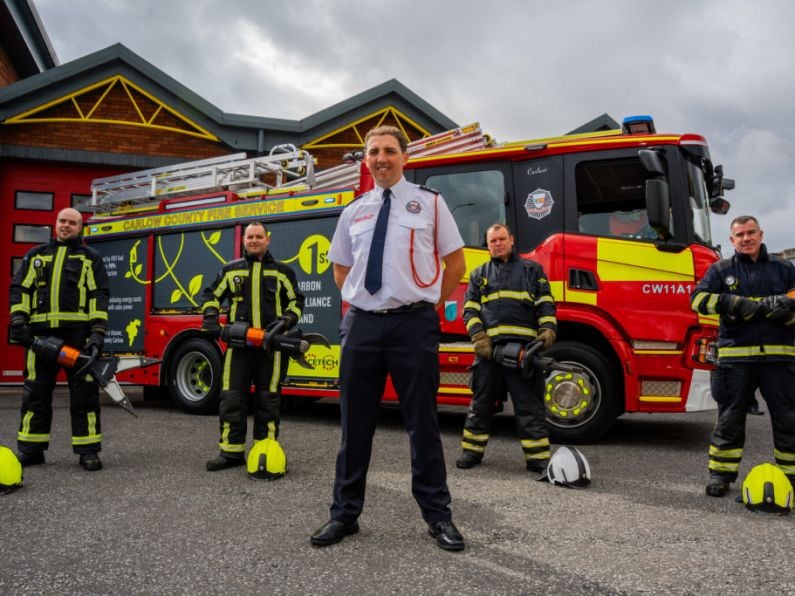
{"type": "Point", "coordinates": [36, 415]}
{"type": "Point", "coordinates": [242, 367]}
{"type": "Point", "coordinates": [404, 345]}
{"type": "Point", "coordinates": [489, 383]}
{"type": "Point", "coordinates": [733, 387]}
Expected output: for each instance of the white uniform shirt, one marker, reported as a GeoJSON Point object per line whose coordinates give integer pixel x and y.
{"type": "Point", "coordinates": [412, 208]}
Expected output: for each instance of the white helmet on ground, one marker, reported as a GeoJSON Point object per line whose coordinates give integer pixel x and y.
{"type": "Point", "coordinates": [568, 467]}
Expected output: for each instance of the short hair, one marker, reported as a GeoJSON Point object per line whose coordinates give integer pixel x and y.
{"type": "Point", "coordinates": [498, 226]}
{"type": "Point", "coordinates": [391, 131]}
{"type": "Point", "coordinates": [743, 219]}
{"type": "Point", "coordinates": [256, 223]}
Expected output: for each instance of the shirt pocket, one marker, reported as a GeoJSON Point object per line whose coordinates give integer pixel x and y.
{"type": "Point", "coordinates": [361, 234]}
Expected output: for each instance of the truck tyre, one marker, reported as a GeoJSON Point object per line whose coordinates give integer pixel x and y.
{"type": "Point", "coordinates": [581, 408]}
{"type": "Point", "coordinates": [193, 376]}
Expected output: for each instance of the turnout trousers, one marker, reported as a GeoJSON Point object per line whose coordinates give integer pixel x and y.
{"type": "Point", "coordinates": [404, 345]}
{"type": "Point", "coordinates": [36, 420]}
{"type": "Point", "coordinates": [242, 367]}
{"type": "Point", "coordinates": [490, 381]}
{"type": "Point", "coordinates": [733, 387]}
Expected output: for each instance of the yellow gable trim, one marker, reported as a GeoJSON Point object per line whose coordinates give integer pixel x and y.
{"type": "Point", "coordinates": [401, 119]}
{"type": "Point", "coordinates": [107, 85]}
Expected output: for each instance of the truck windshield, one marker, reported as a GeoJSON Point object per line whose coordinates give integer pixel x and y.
{"type": "Point", "coordinates": [699, 203]}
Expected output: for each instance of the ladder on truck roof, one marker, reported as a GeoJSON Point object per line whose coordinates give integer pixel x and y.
{"type": "Point", "coordinates": [464, 138]}
{"type": "Point", "coordinates": [285, 162]}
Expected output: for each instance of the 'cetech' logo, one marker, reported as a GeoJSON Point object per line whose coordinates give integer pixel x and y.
{"type": "Point", "coordinates": [326, 362]}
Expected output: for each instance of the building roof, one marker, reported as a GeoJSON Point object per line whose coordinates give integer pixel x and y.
{"type": "Point", "coordinates": [24, 38]}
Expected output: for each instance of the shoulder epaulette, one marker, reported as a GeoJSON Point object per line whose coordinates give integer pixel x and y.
{"type": "Point", "coordinates": [429, 189]}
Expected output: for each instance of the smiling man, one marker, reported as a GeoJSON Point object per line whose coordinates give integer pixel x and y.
{"type": "Point", "coordinates": [388, 250]}
{"type": "Point", "coordinates": [756, 349]}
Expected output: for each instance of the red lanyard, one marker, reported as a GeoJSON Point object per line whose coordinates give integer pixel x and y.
{"type": "Point", "coordinates": [417, 279]}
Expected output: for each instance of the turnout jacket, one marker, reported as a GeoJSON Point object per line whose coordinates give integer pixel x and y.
{"type": "Point", "coordinates": [509, 300]}
{"type": "Point", "coordinates": [757, 340]}
{"type": "Point", "coordinates": [257, 291]}
{"type": "Point", "coordinates": [61, 284]}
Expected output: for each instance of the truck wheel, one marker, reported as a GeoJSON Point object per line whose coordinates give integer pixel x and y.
{"type": "Point", "coordinates": [194, 376]}
{"type": "Point", "coordinates": [581, 407]}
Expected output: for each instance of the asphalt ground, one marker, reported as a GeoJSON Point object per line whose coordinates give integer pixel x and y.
{"type": "Point", "coordinates": [153, 521]}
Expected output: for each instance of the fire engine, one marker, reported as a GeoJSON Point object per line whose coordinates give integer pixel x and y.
{"type": "Point", "coordinates": [618, 219]}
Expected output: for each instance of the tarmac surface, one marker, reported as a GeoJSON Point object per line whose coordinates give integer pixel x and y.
{"type": "Point", "coordinates": [153, 521]}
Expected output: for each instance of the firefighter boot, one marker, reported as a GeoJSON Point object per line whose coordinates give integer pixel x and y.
{"type": "Point", "coordinates": [538, 466]}
{"type": "Point", "coordinates": [36, 458]}
{"type": "Point", "coordinates": [717, 486]}
{"type": "Point", "coordinates": [468, 459]}
{"type": "Point", "coordinates": [90, 462]}
{"type": "Point", "coordinates": [224, 461]}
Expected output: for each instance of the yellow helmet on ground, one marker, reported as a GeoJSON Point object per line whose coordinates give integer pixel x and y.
{"type": "Point", "coordinates": [266, 460]}
{"type": "Point", "coordinates": [767, 488]}
{"type": "Point", "coordinates": [10, 471]}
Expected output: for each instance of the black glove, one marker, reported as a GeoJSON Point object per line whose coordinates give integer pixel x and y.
{"type": "Point", "coordinates": [20, 331]}
{"type": "Point", "coordinates": [745, 308]}
{"type": "Point", "coordinates": [210, 324]}
{"type": "Point", "coordinates": [96, 339]}
{"type": "Point", "coordinates": [288, 321]}
{"type": "Point", "coordinates": [780, 309]}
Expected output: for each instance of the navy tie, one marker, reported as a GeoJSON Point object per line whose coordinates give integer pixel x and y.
{"type": "Point", "coordinates": [372, 276]}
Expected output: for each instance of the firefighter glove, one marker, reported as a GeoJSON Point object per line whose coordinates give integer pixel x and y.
{"type": "Point", "coordinates": [288, 321]}
{"type": "Point", "coordinates": [20, 331]}
{"type": "Point", "coordinates": [210, 325]}
{"type": "Point", "coordinates": [780, 309]}
{"type": "Point", "coordinates": [482, 343]}
{"type": "Point", "coordinates": [547, 336]}
{"type": "Point", "coordinates": [745, 308]}
{"type": "Point", "coordinates": [96, 339]}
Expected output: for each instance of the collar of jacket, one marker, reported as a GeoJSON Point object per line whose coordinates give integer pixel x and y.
{"type": "Point", "coordinates": [76, 242]}
{"type": "Point", "coordinates": [763, 255]}
{"type": "Point", "coordinates": [512, 257]}
{"type": "Point", "coordinates": [266, 258]}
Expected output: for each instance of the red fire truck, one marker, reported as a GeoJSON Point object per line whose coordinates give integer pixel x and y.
{"type": "Point", "coordinates": [619, 220]}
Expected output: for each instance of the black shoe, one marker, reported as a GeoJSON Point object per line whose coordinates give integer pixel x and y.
{"type": "Point", "coordinates": [717, 486]}
{"type": "Point", "coordinates": [537, 466]}
{"type": "Point", "coordinates": [222, 462]}
{"type": "Point", "coordinates": [333, 532]}
{"type": "Point", "coordinates": [36, 458]}
{"type": "Point", "coordinates": [90, 462]}
{"type": "Point", "coordinates": [447, 535]}
{"type": "Point", "coordinates": [754, 410]}
{"type": "Point", "coordinates": [468, 459]}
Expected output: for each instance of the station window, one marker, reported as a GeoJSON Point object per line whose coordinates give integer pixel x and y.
{"type": "Point", "coordinates": [476, 201]}
{"type": "Point", "coordinates": [25, 233]}
{"type": "Point", "coordinates": [34, 201]}
{"type": "Point", "coordinates": [82, 203]}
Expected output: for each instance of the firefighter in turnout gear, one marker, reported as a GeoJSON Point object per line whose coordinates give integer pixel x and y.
{"type": "Point", "coordinates": [263, 293]}
{"type": "Point", "coordinates": [60, 290]}
{"type": "Point", "coordinates": [756, 349]}
{"type": "Point", "coordinates": [508, 300]}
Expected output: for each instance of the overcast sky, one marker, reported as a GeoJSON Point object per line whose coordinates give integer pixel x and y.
{"type": "Point", "coordinates": [523, 69]}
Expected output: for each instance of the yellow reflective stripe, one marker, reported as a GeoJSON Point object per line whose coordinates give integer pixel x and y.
{"type": "Point", "coordinates": [473, 321]}
{"type": "Point", "coordinates": [272, 429]}
{"type": "Point", "coordinates": [788, 470]}
{"type": "Point", "coordinates": [472, 304]}
{"type": "Point", "coordinates": [55, 285]}
{"type": "Point", "coordinates": [544, 299]}
{"type": "Point", "coordinates": [513, 295]}
{"type": "Point", "coordinates": [512, 330]}
{"type": "Point", "coordinates": [30, 364]}
{"type": "Point", "coordinates": [718, 466]}
{"type": "Point", "coordinates": [227, 375]}
{"type": "Point", "coordinates": [59, 317]}
{"type": "Point", "coordinates": [536, 456]}
{"type": "Point", "coordinates": [783, 455]}
{"type": "Point", "coordinates": [530, 443]}
{"type": "Point", "coordinates": [33, 438]}
{"type": "Point", "coordinates": [474, 437]}
{"type": "Point", "coordinates": [273, 386]}
{"type": "Point", "coordinates": [256, 284]}
{"type": "Point", "coordinates": [730, 453]}
{"type": "Point", "coordinates": [550, 319]}
{"type": "Point", "coordinates": [210, 303]}
{"type": "Point", "coordinates": [88, 440]}
{"type": "Point", "coordinates": [82, 283]}
{"type": "Point", "coordinates": [224, 443]}
{"type": "Point", "coordinates": [23, 307]}
{"type": "Point", "coordinates": [472, 447]}
{"type": "Point", "coordinates": [763, 350]}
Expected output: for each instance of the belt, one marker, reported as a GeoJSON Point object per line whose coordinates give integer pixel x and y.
{"type": "Point", "coordinates": [399, 309]}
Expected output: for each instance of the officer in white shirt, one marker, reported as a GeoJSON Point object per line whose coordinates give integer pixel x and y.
{"type": "Point", "coordinates": [387, 255]}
